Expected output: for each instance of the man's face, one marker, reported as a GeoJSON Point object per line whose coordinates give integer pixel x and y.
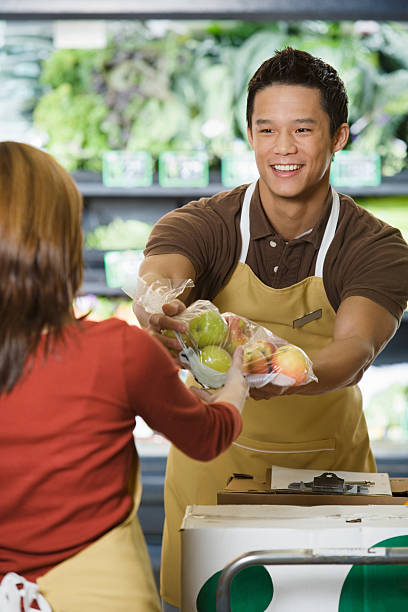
{"type": "Point", "coordinates": [291, 139]}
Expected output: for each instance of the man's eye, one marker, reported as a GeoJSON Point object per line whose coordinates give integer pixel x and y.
{"type": "Point", "coordinates": [303, 130]}
{"type": "Point", "coordinates": [266, 131]}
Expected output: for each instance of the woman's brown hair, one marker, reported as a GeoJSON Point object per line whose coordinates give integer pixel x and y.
{"type": "Point", "coordinates": [40, 253]}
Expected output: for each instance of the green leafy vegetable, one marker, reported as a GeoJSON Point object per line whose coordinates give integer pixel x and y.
{"type": "Point", "coordinates": [178, 85]}
{"type": "Point", "coordinates": [119, 234]}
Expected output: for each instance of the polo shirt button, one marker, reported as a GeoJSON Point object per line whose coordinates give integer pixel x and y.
{"type": "Point", "coordinates": [276, 268]}
{"type": "Point", "coordinates": [272, 243]}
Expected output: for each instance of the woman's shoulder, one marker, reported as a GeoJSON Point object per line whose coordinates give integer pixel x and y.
{"type": "Point", "coordinates": [111, 340]}
{"type": "Point", "coordinates": [107, 331]}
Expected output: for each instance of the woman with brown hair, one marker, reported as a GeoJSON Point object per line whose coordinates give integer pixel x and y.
{"type": "Point", "coordinates": [69, 394]}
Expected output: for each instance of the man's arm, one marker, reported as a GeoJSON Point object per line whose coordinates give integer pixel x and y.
{"type": "Point", "coordinates": [362, 329]}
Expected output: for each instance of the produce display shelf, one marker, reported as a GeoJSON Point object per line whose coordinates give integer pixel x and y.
{"type": "Point", "coordinates": [91, 189]}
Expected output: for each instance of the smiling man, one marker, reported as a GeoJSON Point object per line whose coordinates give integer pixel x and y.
{"type": "Point", "coordinates": [291, 136]}
{"type": "Point", "coordinates": [293, 255]}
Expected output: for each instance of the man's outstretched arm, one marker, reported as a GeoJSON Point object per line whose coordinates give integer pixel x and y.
{"type": "Point", "coordinates": [362, 329]}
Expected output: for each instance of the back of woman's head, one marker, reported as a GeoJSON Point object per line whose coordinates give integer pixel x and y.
{"type": "Point", "coordinates": [40, 253]}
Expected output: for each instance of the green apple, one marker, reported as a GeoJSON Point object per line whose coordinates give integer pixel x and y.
{"type": "Point", "coordinates": [208, 328]}
{"type": "Point", "coordinates": [216, 358]}
{"type": "Point", "coordinates": [170, 334]}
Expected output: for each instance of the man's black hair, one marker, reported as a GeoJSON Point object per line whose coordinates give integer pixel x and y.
{"type": "Point", "coordinates": [293, 67]}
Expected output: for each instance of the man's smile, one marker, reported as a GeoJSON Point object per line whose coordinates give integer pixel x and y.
{"type": "Point", "coordinates": [286, 170]}
{"type": "Point", "coordinates": [286, 167]}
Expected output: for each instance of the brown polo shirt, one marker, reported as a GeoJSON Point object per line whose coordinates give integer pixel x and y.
{"type": "Point", "coordinates": [367, 257]}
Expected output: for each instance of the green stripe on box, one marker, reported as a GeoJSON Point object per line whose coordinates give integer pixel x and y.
{"type": "Point", "coordinates": [251, 591]}
{"type": "Point", "coordinates": [376, 588]}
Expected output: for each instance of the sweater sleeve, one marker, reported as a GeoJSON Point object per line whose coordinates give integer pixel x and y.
{"type": "Point", "coordinates": [156, 393]}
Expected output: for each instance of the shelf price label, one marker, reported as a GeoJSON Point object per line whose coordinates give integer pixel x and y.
{"type": "Point", "coordinates": [122, 266]}
{"type": "Point", "coordinates": [354, 169]}
{"type": "Point", "coordinates": [238, 168]}
{"type": "Point", "coordinates": [125, 169]}
{"type": "Point", "coordinates": [183, 169]}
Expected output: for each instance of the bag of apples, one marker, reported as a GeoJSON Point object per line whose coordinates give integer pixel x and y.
{"type": "Point", "coordinates": [212, 337]}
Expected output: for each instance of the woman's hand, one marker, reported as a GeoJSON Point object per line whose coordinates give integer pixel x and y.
{"type": "Point", "coordinates": [235, 390]}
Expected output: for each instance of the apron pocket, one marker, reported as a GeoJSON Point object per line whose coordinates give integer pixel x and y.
{"type": "Point", "coordinates": [313, 454]}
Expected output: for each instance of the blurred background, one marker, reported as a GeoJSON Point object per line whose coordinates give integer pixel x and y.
{"type": "Point", "coordinates": [146, 108]}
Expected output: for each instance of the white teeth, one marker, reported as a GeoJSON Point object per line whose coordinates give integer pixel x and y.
{"type": "Point", "coordinates": [287, 167]}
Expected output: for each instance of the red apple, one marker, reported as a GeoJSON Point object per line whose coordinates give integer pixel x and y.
{"type": "Point", "coordinates": [257, 357]}
{"type": "Point", "coordinates": [291, 361]}
{"type": "Point", "coordinates": [238, 332]}
{"type": "Point", "coordinates": [254, 361]}
{"type": "Point", "coordinates": [266, 347]}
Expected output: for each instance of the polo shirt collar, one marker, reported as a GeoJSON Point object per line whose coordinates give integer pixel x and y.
{"type": "Point", "coordinates": [261, 227]}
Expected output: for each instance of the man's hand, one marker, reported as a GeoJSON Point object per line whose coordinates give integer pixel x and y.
{"type": "Point", "coordinates": [270, 390]}
{"type": "Point", "coordinates": [158, 322]}
{"type": "Point", "coordinates": [165, 320]}
{"type": "Point", "coordinates": [173, 267]}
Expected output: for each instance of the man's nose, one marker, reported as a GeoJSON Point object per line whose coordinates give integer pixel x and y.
{"type": "Point", "coordinates": [284, 144]}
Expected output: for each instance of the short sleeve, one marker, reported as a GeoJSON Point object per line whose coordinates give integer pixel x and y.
{"type": "Point", "coordinates": [205, 232]}
{"type": "Point", "coordinates": [373, 263]}
{"type": "Point", "coordinates": [190, 231]}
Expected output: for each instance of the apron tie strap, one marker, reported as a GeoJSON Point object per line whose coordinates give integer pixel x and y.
{"type": "Point", "coordinates": [16, 590]}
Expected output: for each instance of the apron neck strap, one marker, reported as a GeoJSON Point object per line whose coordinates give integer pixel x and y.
{"type": "Point", "coordinates": [244, 223]}
{"type": "Point", "coordinates": [327, 237]}
{"type": "Point", "coordinates": [328, 234]}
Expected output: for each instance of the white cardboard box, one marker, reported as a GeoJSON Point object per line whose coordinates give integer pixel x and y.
{"type": "Point", "coordinates": [214, 535]}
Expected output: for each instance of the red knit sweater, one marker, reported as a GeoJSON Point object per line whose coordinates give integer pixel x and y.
{"type": "Point", "coordinates": [66, 442]}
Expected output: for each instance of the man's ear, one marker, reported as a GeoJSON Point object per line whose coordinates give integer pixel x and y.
{"type": "Point", "coordinates": [250, 139]}
{"type": "Point", "coordinates": [341, 137]}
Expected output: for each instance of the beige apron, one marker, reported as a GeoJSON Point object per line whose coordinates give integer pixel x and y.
{"type": "Point", "coordinates": [323, 431]}
{"type": "Point", "coordinates": [111, 575]}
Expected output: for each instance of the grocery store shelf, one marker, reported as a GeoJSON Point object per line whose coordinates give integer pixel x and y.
{"type": "Point", "coordinates": [98, 190]}
{"type": "Point", "coordinates": [94, 276]}
{"type": "Point", "coordinates": [205, 9]}
{"type": "Point", "coordinates": [91, 186]}
{"type": "Point", "coordinates": [156, 191]}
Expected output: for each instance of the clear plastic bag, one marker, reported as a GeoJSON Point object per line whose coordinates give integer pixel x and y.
{"type": "Point", "coordinates": [212, 337]}
{"type": "Point", "coordinates": [153, 294]}
{"type": "Point", "coordinates": [267, 358]}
